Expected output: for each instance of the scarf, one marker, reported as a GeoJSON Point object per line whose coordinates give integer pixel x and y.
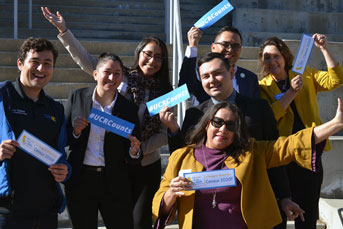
{"type": "Point", "coordinates": [137, 84]}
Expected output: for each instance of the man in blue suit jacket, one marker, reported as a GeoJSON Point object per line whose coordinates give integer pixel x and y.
{"type": "Point", "coordinates": [228, 41]}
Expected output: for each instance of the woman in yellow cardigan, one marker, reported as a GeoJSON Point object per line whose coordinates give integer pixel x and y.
{"type": "Point", "coordinates": [293, 99]}
{"type": "Point", "coordinates": [221, 142]}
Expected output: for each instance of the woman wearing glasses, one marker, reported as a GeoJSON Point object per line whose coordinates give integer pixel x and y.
{"type": "Point", "coordinates": [293, 99]}
{"type": "Point", "coordinates": [221, 142]}
{"type": "Point", "coordinates": [147, 79]}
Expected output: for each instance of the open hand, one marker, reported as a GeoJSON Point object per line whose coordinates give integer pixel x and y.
{"type": "Point", "coordinates": [56, 19]}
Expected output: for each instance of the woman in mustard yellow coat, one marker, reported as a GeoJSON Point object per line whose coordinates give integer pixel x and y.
{"type": "Point", "coordinates": [293, 99]}
{"type": "Point", "coordinates": [221, 142]}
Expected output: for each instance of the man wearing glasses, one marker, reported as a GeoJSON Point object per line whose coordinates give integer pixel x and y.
{"type": "Point", "coordinates": [228, 41]}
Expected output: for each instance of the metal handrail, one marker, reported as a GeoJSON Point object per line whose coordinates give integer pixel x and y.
{"type": "Point", "coordinates": [15, 17]}
{"type": "Point", "coordinates": [174, 36]}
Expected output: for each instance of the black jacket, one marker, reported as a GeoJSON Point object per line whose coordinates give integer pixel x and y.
{"type": "Point", "coordinates": [116, 148]}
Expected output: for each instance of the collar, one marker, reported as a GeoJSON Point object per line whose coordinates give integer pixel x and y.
{"type": "Point", "coordinates": [19, 89]}
{"type": "Point", "coordinates": [230, 99]}
{"type": "Point", "coordinates": [269, 79]}
{"type": "Point", "coordinates": [97, 103]}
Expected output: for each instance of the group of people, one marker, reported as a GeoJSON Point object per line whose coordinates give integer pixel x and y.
{"type": "Point", "coordinates": [236, 125]}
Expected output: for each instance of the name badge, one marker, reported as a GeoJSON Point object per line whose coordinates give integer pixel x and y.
{"type": "Point", "coordinates": [111, 123]}
{"type": "Point", "coordinates": [303, 54]}
{"type": "Point", "coordinates": [212, 179]}
{"type": "Point", "coordinates": [214, 15]}
{"type": "Point", "coordinates": [170, 99]}
{"type": "Point", "coordinates": [38, 149]}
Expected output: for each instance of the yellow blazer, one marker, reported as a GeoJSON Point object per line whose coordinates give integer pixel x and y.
{"type": "Point", "coordinates": [314, 81]}
{"type": "Point", "coordinates": [258, 204]}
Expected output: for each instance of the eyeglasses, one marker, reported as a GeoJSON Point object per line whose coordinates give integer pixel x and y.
{"type": "Point", "coordinates": [219, 122]}
{"type": "Point", "coordinates": [228, 45]}
{"type": "Point", "coordinates": [149, 55]}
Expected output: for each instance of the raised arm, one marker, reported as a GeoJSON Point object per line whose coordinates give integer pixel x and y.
{"type": "Point", "coordinates": [322, 132]}
{"type": "Point", "coordinates": [79, 54]}
{"type": "Point", "coordinates": [320, 41]}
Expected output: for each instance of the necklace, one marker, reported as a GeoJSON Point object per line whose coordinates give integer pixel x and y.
{"type": "Point", "coordinates": [214, 202]}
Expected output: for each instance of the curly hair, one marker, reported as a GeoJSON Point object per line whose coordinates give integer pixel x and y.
{"type": "Point", "coordinates": [37, 45]}
{"type": "Point", "coordinates": [283, 49]}
{"type": "Point", "coordinates": [241, 139]}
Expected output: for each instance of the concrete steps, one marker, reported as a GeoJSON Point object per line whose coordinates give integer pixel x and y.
{"type": "Point", "coordinates": [119, 20]}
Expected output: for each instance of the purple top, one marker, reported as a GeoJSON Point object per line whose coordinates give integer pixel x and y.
{"type": "Point", "coordinates": [228, 209]}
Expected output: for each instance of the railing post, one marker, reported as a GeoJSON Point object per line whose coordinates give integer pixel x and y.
{"type": "Point", "coordinates": [15, 19]}
{"type": "Point", "coordinates": [30, 14]}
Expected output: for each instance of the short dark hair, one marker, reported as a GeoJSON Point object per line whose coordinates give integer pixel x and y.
{"type": "Point", "coordinates": [213, 55]}
{"type": "Point", "coordinates": [37, 45]}
{"type": "Point", "coordinates": [163, 74]}
{"type": "Point", "coordinates": [106, 56]}
{"type": "Point", "coordinates": [241, 139]}
{"type": "Point", "coordinates": [229, 29]}
{"type": "Point", "coordinates": [283, 49]}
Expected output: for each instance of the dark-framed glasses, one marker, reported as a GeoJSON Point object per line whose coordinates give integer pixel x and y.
{"type": "Point", "coordinates": [150, 55]}
{"type": "Point", "coordinates": [219, 122]}
{"type": "Point", "coordinates": [228, 45]}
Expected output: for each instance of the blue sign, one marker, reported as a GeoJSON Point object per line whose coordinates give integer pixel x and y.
{"type": "Point", "coordinates": [111, 123]}
{"type": "Point", "coordinates": [214, 15]}
{"type": "Point", "coordinates": [170, 99]}
{"type": "Point", "coordinates": [278, 96]}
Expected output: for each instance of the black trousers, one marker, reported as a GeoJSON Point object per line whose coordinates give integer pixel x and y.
{"type": "Point", "coordinates": [92, 195]}
{"type": "Point", "coordinates": [28, 222]}
{"type": "Point", "coordinates": [305, 187]}
{"type": "Point", "coordinates": [149, 182]}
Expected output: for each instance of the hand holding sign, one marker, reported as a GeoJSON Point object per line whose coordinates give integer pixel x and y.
{"type": "Point", "coordinates": [167, 117]}
{"type": "Point", "coordinates": [79, 124]}
{"type": "Point", "coordinates": [59, 171]}
{"type": "Point", "coordinates": [297, 83]}
{"type": "Point", "coordinates": [7, 149]}
{"type": "Point", "coordinates": [194, 35]}
{"type": "Point", "coordinates": [135, 144]}
{"type": "Point", "coordinates": [320, 40]}
{"type": "Point", "coordinates": [178, 185]}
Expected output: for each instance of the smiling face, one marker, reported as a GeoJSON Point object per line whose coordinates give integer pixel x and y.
{"type": "Point", "coordinates": [274, 62]}
{"type": "Point", "coordinates": [36, 71]}
{"type": "Point", "coordinates": [108, 75]}
{"type": "Point", "coordinates": [216, 79]}
{"type": "Point", "coordinates": [150, 59]}
{"type": "Point", "coordinates": [231, 53]}
{"type": "Point", "coordinates": [220, 138]}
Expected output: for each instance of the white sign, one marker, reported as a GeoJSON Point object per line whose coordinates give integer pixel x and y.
{"type": "Point", "coordinates": [38, 149]}
{"type": "Point", "coordinates": [212, 179]}
{"type": "Point", "coordinates": [303, 54]}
